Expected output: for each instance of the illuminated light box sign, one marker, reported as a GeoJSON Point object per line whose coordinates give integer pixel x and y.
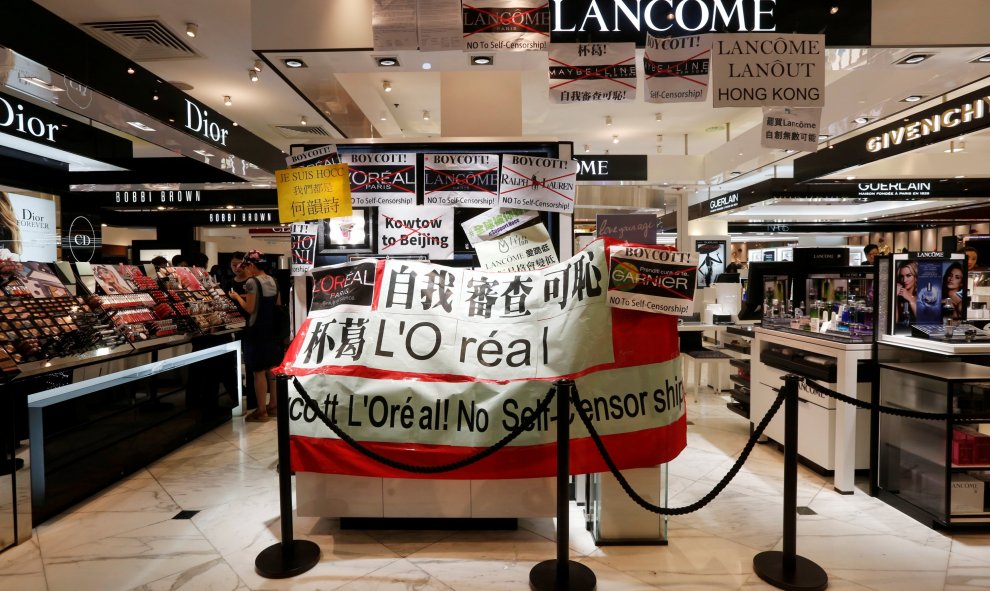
{"type": "Point", "coordinates": [605, 167]}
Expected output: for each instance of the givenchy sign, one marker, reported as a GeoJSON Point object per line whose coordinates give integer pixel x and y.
{"type": "Point", "coordinates": [931, 124]}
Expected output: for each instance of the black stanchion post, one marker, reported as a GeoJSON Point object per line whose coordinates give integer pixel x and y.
{"type": "Point", "coordinates": [787, 570]}
{"type": "Point", "coordinates": [289, 557]}
{"type": "Point", "coordinates": [562, 574]}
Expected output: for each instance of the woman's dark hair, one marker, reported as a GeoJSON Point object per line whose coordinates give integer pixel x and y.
{"type": "Point", "coordinates": [239, 255]}
{"type": "Point", "coordinates": [159, 262]}
{"type": "Point", "coordinates": [945, 277]}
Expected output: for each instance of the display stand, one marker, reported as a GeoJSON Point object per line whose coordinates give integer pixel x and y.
{"type": "Point", "coordinates": [290, 557]}
{"type": "Point", "coordinates": [562, 574]}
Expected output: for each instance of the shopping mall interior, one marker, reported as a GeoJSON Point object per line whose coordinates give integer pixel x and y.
{"type": "Point", "coordinates": [136, 461]}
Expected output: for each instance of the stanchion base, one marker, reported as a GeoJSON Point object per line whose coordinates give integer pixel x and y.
{"type": "Point", "coordinates": [543, 577]}
{"type": "Point", "coordinates": [806, 575]}
{"type": "Point", "coordinates": [280, 561]}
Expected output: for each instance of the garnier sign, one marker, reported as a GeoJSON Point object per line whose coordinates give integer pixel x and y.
{"type": "Point", "coordinates": [616, 21]}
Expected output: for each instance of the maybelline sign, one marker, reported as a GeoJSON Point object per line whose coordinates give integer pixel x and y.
{"type": "Point", "coordinates": [630, 20]}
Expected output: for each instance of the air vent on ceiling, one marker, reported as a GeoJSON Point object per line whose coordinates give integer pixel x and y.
{"type": "Point", "coordinates": [141, 40]}
{"type": "Point", "coordinates": [298, 131]}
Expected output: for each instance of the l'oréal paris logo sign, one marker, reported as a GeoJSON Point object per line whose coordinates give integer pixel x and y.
{"type": "Point", "coordinates": [661, 17]}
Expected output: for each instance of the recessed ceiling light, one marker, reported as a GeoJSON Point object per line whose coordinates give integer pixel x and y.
{"type": "Point", "coordinates": [426, 115]}
{"type": "Point", "coordinates": [294, 62]}
{"type": "Point", "coordinates": [226, 100]}
{"type": "Point", "coordinates": [833, 10]}
{"type": "Point", "coordinates": [912, 98]}
{"type": "Point", "coordinates": [427, 66]}
{"type": "Point", "coordinates": [615, 139]}
{"type": "Point", "coordinates": [40, 83]}
{"type": "Point", "coordinates": [161, 208]}
{"type": "Point", "coordinates": [960, 176]}
{"type": "Point", "coordinates": [382, 117]}
{"type": "Point", "coordinates": [914, 58]}
{"type": "Point", "coordinates": [851, 177]}
{"type": "Point", "coordinates": [387, 61]}
{"type": "Point", "coordinates": [482, 60]}
{"type": "Point", "coordinates": [823, 136]}
{"type": "Point", "coordinates": [140, 126]}
{"type": "Point", "coordinates": [587, 148]}
{"type": "Point", "coordinates": [130, 70]}
{"type": "Point", "coordinates": [608, 121]}
{"type": "Point", "coordinates": [861, 120]}
{"type": "Point", "coordinates": [230, 207]}
{"type": "Point", "coordinates": [983, 59]}
{"type": "Point", "coordinates": [192, 29]}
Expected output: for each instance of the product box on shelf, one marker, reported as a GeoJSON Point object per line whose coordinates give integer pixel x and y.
{"type": "Point", "coordinates": [967, 494]}
{"type": "Point", "coordinates": [970, 447]}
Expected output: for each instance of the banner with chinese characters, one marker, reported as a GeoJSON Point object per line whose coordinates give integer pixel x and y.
{"type": "Point", "coordinates": [652, 279]}
{"type": "Point", "coordinates": [416, 229]}
{"type": "Point", "coordinates": [427, 364]}
{"type": "Point", "coordinates": [543, 184]}
{"type": "Point", "coordinates": [495, 222]}
{"type": "Point", "coordinates": [592, 72]}
{"type": "Point", "coordinates": [675, 69]}
{"type": "Point", "coordinates": [525, 249]}
{"type": "Point", "coordinates": [303, 247]}
{"type": "Point", "coordinates": [313, 193]}
{"type": "Point", "coordinates": [787, 128]}
{"type": "Point", "coordinates": [382, 179]}
{"type": "Point", "coordinates": [461, 180]}
{"type": "Point", "coordinates": [506, 25]}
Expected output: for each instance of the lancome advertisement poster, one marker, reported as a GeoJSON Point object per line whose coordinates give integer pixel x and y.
{"type": "Point", "coordinates": [926, 292]}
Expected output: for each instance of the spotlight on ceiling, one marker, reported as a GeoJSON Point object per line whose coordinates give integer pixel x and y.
{"type": "Point", "coordinates": [955, 146]}
{"type": "Point", "coordinates": [386, 86]}
{"type": "Point", "coordinates": [302, 120]}
{"type": "Point", "coordinates": [426, 115]}
{"type": "Point", "coordinates": [387, 61]}
{"type": "Point", "coordinates": [482, 60]}
{"type": "Point", "coordinates": [861, 120]}
{"type": "Point", "coordinates": [192, 29]}
{"type": "Point", "coordinates": [914, 58]}
{"type": "Point", "coordinates": [226, 100]}
{"type": "Point", "coordinates": [382, 117]}
{"type": "Point", "coordinates": [608, 121]}
{"type": "Point", "coordinates": [615, 139]}
{"type": "Point", "coordinates": [294, 62]}
{"type": "Point", "coordinates": [258, 65]}
{"type": "Point", "coordinates": [587, 148]}
{"type": "Point", "coordinates": [912, 98]}
{"type": "Point", "coordinates": [253, 75]}
{"type": "Point", "coordinates": [983, 59]}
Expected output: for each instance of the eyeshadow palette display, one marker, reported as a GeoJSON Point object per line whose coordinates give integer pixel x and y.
{"type": "Point", "coordinates": [41, 329]}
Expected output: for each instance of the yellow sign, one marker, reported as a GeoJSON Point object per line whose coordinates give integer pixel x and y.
{"type": "Point", "coordinates": [313, 193]}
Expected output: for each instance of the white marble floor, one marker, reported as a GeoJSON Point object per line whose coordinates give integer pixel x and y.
{"type": "Point", "coordinates": [125, 538]}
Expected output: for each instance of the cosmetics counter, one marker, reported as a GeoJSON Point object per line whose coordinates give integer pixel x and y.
{"type": "Point", "coordinates": [104, 369]}
{"type": "Point", "coordinates": [932, 359]}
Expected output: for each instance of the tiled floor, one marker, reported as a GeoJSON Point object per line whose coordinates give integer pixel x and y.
{"type": "Point", "coordinates": [126, 538]}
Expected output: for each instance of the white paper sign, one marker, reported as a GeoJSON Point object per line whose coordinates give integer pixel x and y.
{"type": "Point", "coordinates": [506, 25]}
{"type": "Point", "coordinates": [461, 180]}
{"type": "Point", "coordinates": [652, 279]}
{"type": "Point", "coordinates": [527, 249]}
{"type": "Point", "coordinates": [592, 72]}
{"type": "Point", "coordinates": [303, 247]}
{"type": "Point", "coordinates": [791, 129]}
{"type": "Point", "coordinates": [410, 229]}
{"type": "Point", "coordinates": [675, 69]}
{"type": "Point", "coordinates": [440, 27]}
{"type": "Point", "coordinates": [544, 184]}
{"type": "Point", "coordinates": [315, 157]}
{"type": "Point", "coordinates": [495, 222]}
{"type": "Point", "coordinates": [35, 238]}
{"type": "Point", "coordinates": [768, 69]}
{"type": "Point", "coordinates": [393, 25]}
{"type": "Point", "coordinates": [381, 179]}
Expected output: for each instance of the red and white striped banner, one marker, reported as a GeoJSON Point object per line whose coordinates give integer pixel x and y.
{"type": "Point", "coordinates": [427, 364]}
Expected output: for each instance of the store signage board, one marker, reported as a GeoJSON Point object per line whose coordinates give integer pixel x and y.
{"type": "Point", "coordinates": [542, 184]}
{"type": "Point", "coordinates": [821, 256]}
{"type": "Point", "coordinates": [314, 192]}
{"type": "Point", "coordinates": [178, 198]}
{"type": "Point", "coordinates": [465, 361]}
{"type": "Point", "coordinates": [592, 72]}
{"type": "Point", "coordinates": [951, 119]}
{"type": "Point", "coordinates": [82, 235]}
{"type": "Point", "coordinates": [381, 178]}
{"type": "Point", "coordinates": [675, 70]}
{"type": "Point", "coordinates": [629, 20]}
{"type": "Point", "coordinates": [506, 25]}
{"type": "Point", "coordinates": [761, 69]}
{"type": "Point", "coordinates": [606, 167]}
{"type": "Point", "coordinates": [640, 228]}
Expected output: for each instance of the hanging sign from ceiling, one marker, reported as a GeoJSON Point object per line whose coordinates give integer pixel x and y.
{"type": "Point", "coordinates": [759, 70]}
{"type": "Point", "coordinates": [592, 72]}
{"type": "Point", "coordinates": [464, 180]}
{"type": "Point", "coordinates": [412, 229]}
{"type": "Point", "coordinates": [608, 167]}
{"type": "Point", "coordinates": [312, 193]}
{"type": "Point", "coordinates": [506, 25]}
{"type": "Point", "coordinates": [787, 128]}
{"type": "Point", "coordinates": [381, 178]}
{"type": "Point", "coordinates": [675, 70]}
{"type": "Point", "coordinates": [543, 184]}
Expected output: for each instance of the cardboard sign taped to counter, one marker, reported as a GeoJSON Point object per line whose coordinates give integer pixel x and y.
{"type": "Point", "coordinates": [429, 364]}
{"type": "Point", "coordinates": [652, 279]}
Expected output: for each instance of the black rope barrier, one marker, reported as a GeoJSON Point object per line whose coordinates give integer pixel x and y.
{"type": "Point", "coordinates": [743, 456]}
{"type": "Point", "coordinates": [892, 410]}
{"type": "Point", "coordinates": [524, 426]}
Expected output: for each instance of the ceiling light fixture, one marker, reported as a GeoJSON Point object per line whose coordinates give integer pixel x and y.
{"type": "Point", "coordinates": [154, 96]}
{"type": "Point", "coordinates": [608, 121]}
{"type": "Point", "coordinates": [161, 208]}
{"type": "Point", "coordinates": [387, 61]}
{"type": "Point", "coordinates": [426, 115]}
{"type": "Point", "coordinates": [302, 120]}
{"type": "Point", "coordinates": [861, 120]}
{"type": "Point", "coordinates": [983, 59]}
{"type": "Point", "coordinates": [382, 117]}
{"type": "Point", "coordinates": [914, 58]}
{"type": "Point", "coordinates": [833, 10]}
{"type": "Point", "coordinates": [658, 117]}
{"type": "Point", "coordinates": [659, 138]}
{"type": "Point", "coordinates": [823, 136]}
{"type": "Point", "coordinates": [192, 29]}
{"type": "Point", "coordinates": [293, 62]}
{"type": "Point", "coordinates": [226, 100]}
{"type": "Point", "coordinates": [40, 83]}
{"type": "Point", "coordinates": [253, 75]}
{"type": "Point", "coordinates": [912, 98]}
{"type": "Point", "coordinates": [955, 147]}
{"type": "Point", "coordinates": [615, 139]}
{"type": "Point", "coordinates": [258, 65]}
{"type": "Point", "coordinates": [660, 151]}
{"type": "Point", "coordinates": [851, 177]}
{"type": "Point", "coordinates": [130, 70]}
{"type": "Point", "coordinates": [427, 66]}
{"type": "Point", "coordinates": [587, 148]}
{"type": "Point", "coordinates": [140, 126]}
{"type": "Point", "coordinates": [386, 86]}
{"type": "Point", "coordinates": [482, 60]}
